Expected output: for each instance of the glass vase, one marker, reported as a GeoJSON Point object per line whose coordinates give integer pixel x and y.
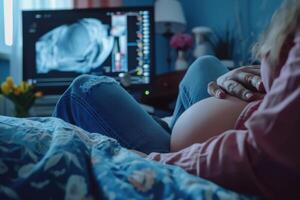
{"type": "Point", "coordinates": [181, 62]}
{"type": "Point", "coordinates": [21, 111]}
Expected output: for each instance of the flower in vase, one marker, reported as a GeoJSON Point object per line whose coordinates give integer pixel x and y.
{"type": "Point", "coordinates": [22, 95]}
{"type": "Point", "coordinates": [181, 41]}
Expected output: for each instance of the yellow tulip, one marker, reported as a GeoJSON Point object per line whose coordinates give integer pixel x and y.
{"type": "Point", "coordinates": [38, 94]}
{"type": "Point", "coordinates": [27, 85]}
{"type": "Point", "coordinates": [22, 88]}
{"type": "Point", "coordinates": [17, 91]}
{"type": "Point", "coordinates": [10, 81]}
{"type": "Point", "coordinates": [5, 88]}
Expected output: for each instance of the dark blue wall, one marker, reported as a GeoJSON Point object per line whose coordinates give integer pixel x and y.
{"type": "Point", "coordinates": [247, 18]}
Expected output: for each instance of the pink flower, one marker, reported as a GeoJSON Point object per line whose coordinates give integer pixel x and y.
{"type": "Point", "coordinates": [181, 41]}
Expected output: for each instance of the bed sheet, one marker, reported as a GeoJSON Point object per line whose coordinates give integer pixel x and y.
{"type": "Point", "coordinates": [47, 158]}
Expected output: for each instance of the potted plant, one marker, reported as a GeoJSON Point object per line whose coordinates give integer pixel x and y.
{"type": "Point", "coordinates": [223, 44]}
{"type": "Point", "coordinates": [22, 95]}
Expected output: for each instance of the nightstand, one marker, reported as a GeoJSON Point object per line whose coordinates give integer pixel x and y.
{"type": "Point", "coordinates": [164, 91]}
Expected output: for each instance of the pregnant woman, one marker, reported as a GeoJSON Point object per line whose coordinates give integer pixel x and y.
{"type": "Point", "coordinates": [248, 147]}
{"type": "Point", "coordinates": [100, 104]}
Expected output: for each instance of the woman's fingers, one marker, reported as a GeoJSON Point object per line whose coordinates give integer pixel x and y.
{"type": "Point", "coordinates": [235, 88]}
{"type": "Point", "coordinates": [214, 90]}
{"type": "Point", "coordinates": [244, 83]}
{"type": "Point", "coordinates": [253, 69]}
{"type": "Point", "coordinates": [232, 87]}
{"type": "Point", "coordinates": [250, 79]}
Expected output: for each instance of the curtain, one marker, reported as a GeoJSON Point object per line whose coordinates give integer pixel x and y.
{"type": "Point", "coordinates": [67, 4]}
{"type": "Point", "coordinates": [96, 3]}
{"type": "Point", "coordinates": [46, 4]}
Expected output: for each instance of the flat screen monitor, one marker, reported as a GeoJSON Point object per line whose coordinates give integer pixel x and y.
{"type": "Point", "coordinates": [59, 45]}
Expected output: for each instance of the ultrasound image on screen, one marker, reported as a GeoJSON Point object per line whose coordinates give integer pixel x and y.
{"type": "Point", "coordinates": [59, 45]}
{"type": "Point", "coordinates": [82, 46]}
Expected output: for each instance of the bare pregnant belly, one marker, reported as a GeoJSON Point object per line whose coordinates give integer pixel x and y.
{"type": "Point", "coordinates": [205, 119]}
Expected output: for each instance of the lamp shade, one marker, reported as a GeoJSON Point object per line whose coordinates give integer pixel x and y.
{"type": "Point", "coordinates": [169, 16]}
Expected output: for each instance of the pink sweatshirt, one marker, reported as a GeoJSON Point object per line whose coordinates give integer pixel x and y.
{"type": "Point", "coordinates": [262, 155]}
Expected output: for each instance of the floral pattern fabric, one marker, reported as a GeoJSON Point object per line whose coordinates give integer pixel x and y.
{"type": "Point", "coordinates": [47, 158]}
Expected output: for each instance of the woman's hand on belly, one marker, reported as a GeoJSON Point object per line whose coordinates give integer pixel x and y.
{"type": "Point", "coordinates": [205, 119]}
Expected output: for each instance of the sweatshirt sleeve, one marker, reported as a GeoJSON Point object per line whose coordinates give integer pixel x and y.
{"type": "Point", "coordinates": [264, 159]}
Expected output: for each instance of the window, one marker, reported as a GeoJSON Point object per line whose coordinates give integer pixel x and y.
{"type": "Point", "coordinates": [7, 14]}
{"type": "Point", "coordinates": [8, 22]}
{"type": "Point", "coordinates": [6, 26]}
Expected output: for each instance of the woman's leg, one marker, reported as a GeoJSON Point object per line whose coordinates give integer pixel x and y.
{"type": "Point", "coordinates": [100, 104]}
{"type": "Point", "coordinates": [193, 86]}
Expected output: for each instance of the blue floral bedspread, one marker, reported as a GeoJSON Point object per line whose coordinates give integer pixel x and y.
{"type": "Point", "coordinates": [46, 158]}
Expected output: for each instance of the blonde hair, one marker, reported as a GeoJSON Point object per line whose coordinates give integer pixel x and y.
{"type": "Point", "coordinates": [283, 25]}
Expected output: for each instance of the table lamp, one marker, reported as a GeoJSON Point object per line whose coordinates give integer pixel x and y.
{"type": "Point", "coordinates": [169, 19]}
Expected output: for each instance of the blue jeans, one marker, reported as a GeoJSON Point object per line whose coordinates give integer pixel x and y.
{"type": "Point", "coordinates": [100, 104]}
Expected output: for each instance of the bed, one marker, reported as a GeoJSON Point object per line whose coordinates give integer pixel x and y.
{"type": "Point", "coordinates": [47, 158]}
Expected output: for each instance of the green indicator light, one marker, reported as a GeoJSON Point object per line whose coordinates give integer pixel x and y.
{"type": "Point", "coordinates": [147, 92]}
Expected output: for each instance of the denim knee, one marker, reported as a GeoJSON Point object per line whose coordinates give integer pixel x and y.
{"type": "Point", "coordinates": [84, 83]}
{"type": "Point", "coordinates": [203, 69]}
{"type": "Point", "coordinates": [204, 63]}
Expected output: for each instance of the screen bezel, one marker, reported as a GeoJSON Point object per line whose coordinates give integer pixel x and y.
{"type": "Point", "coordinates": [61, 89]}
